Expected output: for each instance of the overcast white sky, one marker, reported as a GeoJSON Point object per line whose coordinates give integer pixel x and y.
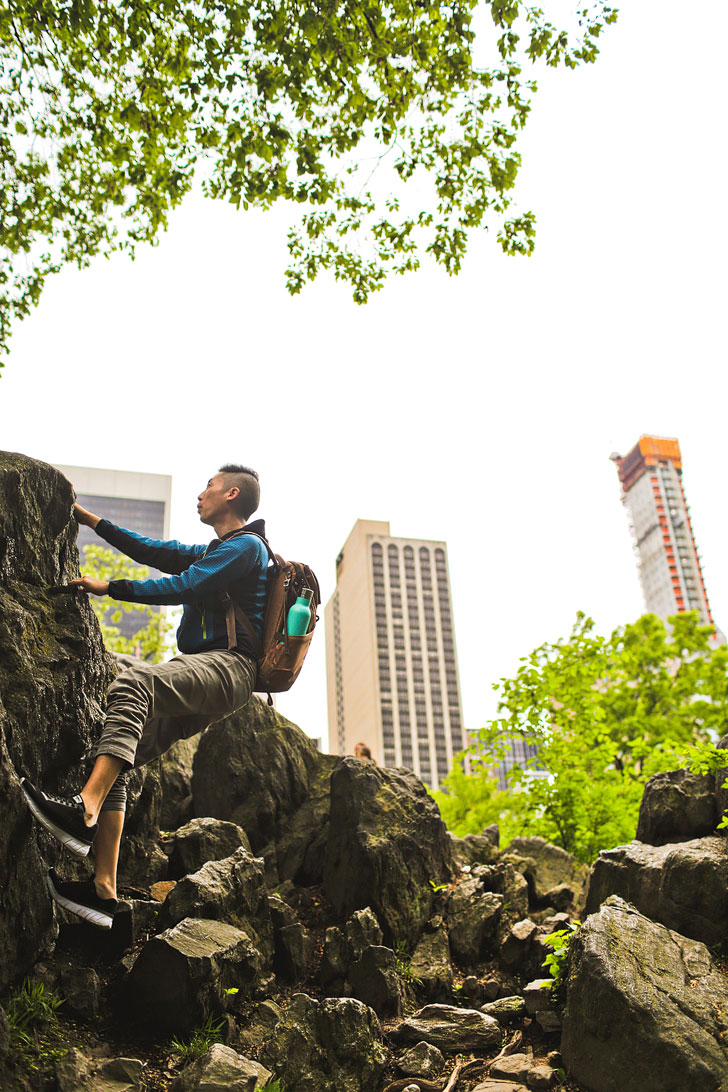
{"type": "Point", "coordinates": [480, 409]}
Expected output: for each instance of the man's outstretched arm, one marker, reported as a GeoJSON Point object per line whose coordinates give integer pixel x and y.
{"type": "Point", "coordinates": [170, 557]}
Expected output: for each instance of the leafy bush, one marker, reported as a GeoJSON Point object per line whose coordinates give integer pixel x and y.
{"type": "Point", "coordinates": [557, 963]}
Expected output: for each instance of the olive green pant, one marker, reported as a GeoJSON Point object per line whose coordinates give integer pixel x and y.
{"type": "Point", "coordinates": [150, 706]}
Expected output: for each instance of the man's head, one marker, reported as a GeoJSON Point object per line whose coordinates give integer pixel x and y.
{"type": "Point", "coordinates": [362, 751]}
{"type": "Point", "coordinates": [234, 490]}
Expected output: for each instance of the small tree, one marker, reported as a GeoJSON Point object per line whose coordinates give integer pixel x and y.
{"type": "Point", "coordinates": [605, 713]}
{"type": "Point", "coordinates": [152, 640]}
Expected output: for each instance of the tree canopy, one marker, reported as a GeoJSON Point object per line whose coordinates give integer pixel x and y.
{"type": "Point", "coordinates": [109, 110]}
{"type": "Point", "coordinates": [605, 714]}
{"type": "Point", "coordinates": [152, 640]}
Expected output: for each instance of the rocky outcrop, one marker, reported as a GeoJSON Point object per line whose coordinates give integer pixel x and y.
{"type": "Point", "coordinates": [75, 1072]}
{"type": "Point", "coordinates": [256, 769]}
{"type": "Point", "coordinates": [326, 1046]}
{"type": "Point", "coordinates": [677, 806]}
{"type": "Point", "coordinates": [387, 848]}
{"type": "Point", "coordinates": [53, 677]}
{"type": "Point", "coordinates": [430, 966]}
{"type": "Point", "coordinates": [646, 1010]}
{"type": "Point", "coordinates": [473, 913]}
{"type": "Point", "coordinates": [683, 885]}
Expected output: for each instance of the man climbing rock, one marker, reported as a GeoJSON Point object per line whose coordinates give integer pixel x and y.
{"type": "Point", "coordinates": [150, 706]}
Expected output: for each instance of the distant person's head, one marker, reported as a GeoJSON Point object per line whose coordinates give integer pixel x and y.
{"type": "Point", "coordinates": [362, 751]}
{"type": "Point", "coordinates": [234, 489]}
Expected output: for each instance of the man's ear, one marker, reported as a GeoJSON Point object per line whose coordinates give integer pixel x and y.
{"type": "Point", "coordinates": [233, 492]}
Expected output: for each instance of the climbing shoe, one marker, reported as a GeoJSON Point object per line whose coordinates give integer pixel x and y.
{"type": "Point", "coordinates": [62, 816]}
{"type": "Point", "coordinates": [80, 898]}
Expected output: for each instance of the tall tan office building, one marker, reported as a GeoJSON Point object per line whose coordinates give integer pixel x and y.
{"type": "Point", "coordinates": [391, 660]}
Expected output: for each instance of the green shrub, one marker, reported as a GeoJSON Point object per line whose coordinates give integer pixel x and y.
{"type": "Point", "coordinates": [27, 1008]}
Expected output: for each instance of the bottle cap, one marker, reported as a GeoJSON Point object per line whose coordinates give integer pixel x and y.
{"type": "Point", "coordinates": [307, 593]}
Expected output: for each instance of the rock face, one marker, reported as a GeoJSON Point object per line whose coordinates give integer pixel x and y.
{"type": "Point", "coordinates": [181, 975]}
{"type": "Point", "coordinates": [646, 1008]}
{"type": "Point", "coordinates": [431, 966]}
{"type": "Point", "coordinates": [386, 843]}
{"type": "Point", "coordinates": [677, 806]}
{"type": "Point", "coordinates": [326, 1046]}
{"type": "Point", "coordinates": [255, 768]}
{"type": "Point", "coordinates": [54, 672]}
{"type": "Point", "coordinates": [684, 885]}
{"type": "Point", "coordinates": [473, 915]}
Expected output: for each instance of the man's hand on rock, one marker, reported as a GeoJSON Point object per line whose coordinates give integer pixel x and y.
{"type": "Point", "coordinates": [88, 519]}
{"type": "Point", "coordinates": [91, 585]}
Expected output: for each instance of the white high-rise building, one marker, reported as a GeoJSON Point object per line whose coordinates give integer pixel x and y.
{"type": "Point", "coordinates": [667, 556]}
{"type": "Point", "coordinates": [390, 653]}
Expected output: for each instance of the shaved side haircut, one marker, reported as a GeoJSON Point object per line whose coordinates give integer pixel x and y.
{"type": "Point", "coordinates": [247, 482]}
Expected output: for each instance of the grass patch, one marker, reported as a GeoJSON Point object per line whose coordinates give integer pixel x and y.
{"type": "Point", "coordinates": [199, 1042]}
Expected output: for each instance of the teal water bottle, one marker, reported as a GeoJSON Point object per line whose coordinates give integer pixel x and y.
{"type": "Point", "coordinates": [299, 615]}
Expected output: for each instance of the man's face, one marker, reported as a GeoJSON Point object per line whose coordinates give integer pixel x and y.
{"type": "Point", "coordinates": [213, 500]}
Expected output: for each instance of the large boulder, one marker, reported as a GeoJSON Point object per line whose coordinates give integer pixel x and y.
{"type": "Point", "coordinates": [430, 966]}
{"type": "Point", "coordinates": [256, 769]}
{"type": "Point", "coordinates": [646, 1009]}
{"type": "Point", "coordinates": [684, 886]}
{"type": "Point", "coordinates": [333, 1045]}
{"type": "Point", "coordinates": [181, 976]}
{"type": "Point", "coordinates": [677, 806]}
{"type": "Point", "coordinates": [175, 775]}
{"type": "Point", "coordinates": [554, 877]}
{"type": "Point", "coordinates": [387, 847]}
{"type": "Point", "coordinates": [54, 672]}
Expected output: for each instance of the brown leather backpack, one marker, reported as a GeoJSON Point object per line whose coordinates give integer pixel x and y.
{"type": "Point", "coordinates": [280, 655]}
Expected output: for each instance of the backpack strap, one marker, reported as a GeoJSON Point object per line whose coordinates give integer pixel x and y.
{"type": "Point", "coordinates": [234, 611]}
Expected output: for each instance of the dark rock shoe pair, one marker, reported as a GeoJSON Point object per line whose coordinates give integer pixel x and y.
{"type": "Point", "coordinates": [64, 818]}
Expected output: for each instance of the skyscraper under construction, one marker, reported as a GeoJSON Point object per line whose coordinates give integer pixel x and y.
{"type": "Point", "coordinates": [659, 516]}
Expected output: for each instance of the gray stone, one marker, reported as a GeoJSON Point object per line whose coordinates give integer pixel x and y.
{"type": "Point", "coordinates": [430, 964]}
{"type": "Point", "coordinates": [514, 1067]}
{"type": "Point", "coordinates": [232, 890]}
{"type": "Point", "coordinates": [180, 976]}
{"type": "Point", "coordinates": [4, 1034]}
{"type": "Point", "coordinates": [537, 995]}
{"type": "Point", "coordinates": [362, 930]}
{"type": "Point", "coordinates": [333, 1045]}
{"type": "Point", "coordinates": [554, 877]}
{"type": "Point", "coordinates": [549, 1020]}
{"type": "Point", "coordinates": [82, 990]}
{"type": "Point", "coordinates": [75, 1072]}
{"type": "Point", "coordinates": [294, 948]}
{"type": "Point", "coordinates": [200, 841]}
{"type": "Point", "coordinates": [386, 844]}
{"type": "Point", "coordinates": [472, 915]}
{"type": "Point", "coordinates": [256, 769]}
{"type": "Point", "coordinates": [451, 1029]}
{"type": "Point", "coordinates": [301, 841]}
{"type": "Point", "coordinates": [505, 1010]}
{"type": "Point", "coordinates": [499, 1086]}
{"type": "Point", "coordinates": [175, 777]}
{"type": "Point", "coordinates": [677, 806]}
{"type": "Point", "coordinates": [475, 848]}
{"type": "Point", "coordinates": [54, 672]}
{"type": "Point", "coordinates": [541, 1078]}
{"type": "Point", "coordinates": [334, 959]}
{"type": "Point", "coordinates": [373, 979]}
{"type": "Point", "coordinates": [221, 1069]}
{"type": "Point", "coordinates": [682, 885]}
{"type": "Point", "coordinates": [646, 1008]}
{"type": "Point", "coordinates": [515, 948]}
{"type": "Point", "coordinates": [422, 1060]}
{"type": "Point", "coordinates": [259, 1026]}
